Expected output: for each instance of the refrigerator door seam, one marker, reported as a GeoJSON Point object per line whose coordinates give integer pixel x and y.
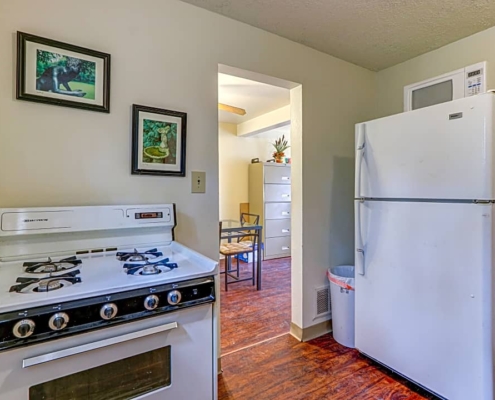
{"type": "Point", "coordinates": [417, 200]}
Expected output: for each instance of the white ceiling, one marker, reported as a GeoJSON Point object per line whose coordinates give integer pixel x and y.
{"type": "Point", "coordinates": [255, 97]}
{"type": "Point", "coordinates": [375, 34]}
{"type": "Point", "coordinates": [276, 133]}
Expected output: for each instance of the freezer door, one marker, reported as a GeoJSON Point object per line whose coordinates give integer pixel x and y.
{"type": "Point", "coordinates": [423, 293]}
{"type": "Point", "coordinates": [439, 152]}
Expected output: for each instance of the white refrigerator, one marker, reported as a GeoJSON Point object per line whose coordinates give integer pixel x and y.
{"type": "Point", "coordinates": [425, 228]}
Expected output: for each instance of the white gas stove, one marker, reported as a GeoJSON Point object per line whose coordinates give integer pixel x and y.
{"type": "Point", "coordinates": [87, 291]}
{"type": "Point", "coordinates": [99, 274]}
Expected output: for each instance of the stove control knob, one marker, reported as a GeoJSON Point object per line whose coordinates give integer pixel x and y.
{"type": "Point", "coordinates": [24, 328]}
{"type": "Point", "coordinates": [151, 302]}
{"type": "Point", "coordinates": [174, 297]}
{"type": "Point", "coordinates": [58, 321]}
{"type": "Point", "coordinates": [108, 311]}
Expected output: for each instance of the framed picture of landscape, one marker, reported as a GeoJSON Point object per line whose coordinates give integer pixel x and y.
{"type": "Point", "coordinates": [158, 141]}
{"type": "Point", "coordinates": [62, 74]}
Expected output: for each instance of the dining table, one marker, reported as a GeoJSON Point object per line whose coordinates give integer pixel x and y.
{"type": "Point", "coordinates": [233, 229]}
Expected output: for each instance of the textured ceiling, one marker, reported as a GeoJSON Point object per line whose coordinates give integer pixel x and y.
{"type": "Point", "coordinates": [255, 97]}
{"type": "Point", "coordinates": [375, 34]}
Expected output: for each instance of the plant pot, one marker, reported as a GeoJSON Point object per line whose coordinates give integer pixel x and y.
{"type": "Point", "coordinates": [279, 157]}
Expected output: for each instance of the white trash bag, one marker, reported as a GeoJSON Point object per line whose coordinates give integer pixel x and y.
{"type": "Point", "coordinates": [342, 290]}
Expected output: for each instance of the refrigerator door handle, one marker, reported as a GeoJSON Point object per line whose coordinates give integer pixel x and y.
{"type": "Point", "coordinates": [360, 145]}
{"type": "Point", "coordinates": [360, 266]}
{"type": "Point", "coordinates": [359, 239]}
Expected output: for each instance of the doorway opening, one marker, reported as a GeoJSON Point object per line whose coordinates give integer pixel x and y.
{"type": "Point", "coordinates": [255, 111]}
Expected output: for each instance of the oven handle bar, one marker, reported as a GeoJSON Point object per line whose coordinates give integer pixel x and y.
{"type": "Point", "coordinates": [56, 355]}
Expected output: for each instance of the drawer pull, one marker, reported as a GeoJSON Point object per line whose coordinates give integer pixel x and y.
{"type": "Point", "coordinates": [285, 230]}
{"type": "Point", "coordinates": [285, 213]}
{"type": "Point", "coordinates": [285, 178]}
{"type": "Point", "coordinates": [284, 248]}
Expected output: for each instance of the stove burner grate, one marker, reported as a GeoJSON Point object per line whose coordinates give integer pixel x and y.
{"type": "Point", "coordinates": [138, 256]}
{"type": "Point", "coordinates": [50, 266]}
{"type": "Point", "coordinates": [149, 268]}
{"type": "Point", "coordinates": [45, 284]}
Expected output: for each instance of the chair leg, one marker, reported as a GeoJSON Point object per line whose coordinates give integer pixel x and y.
{"type": "Point", "coordinates": [227, 262]}
{"type": "Point", "coordinates": [237, 258]}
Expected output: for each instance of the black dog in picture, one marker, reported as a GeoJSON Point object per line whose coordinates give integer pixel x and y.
{"type": "Point", "coordinates": [53, 77]}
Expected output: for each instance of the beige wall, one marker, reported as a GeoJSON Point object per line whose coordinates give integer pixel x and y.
{"type": "Point", "coordinates": [166, 54]}
{"type": "Point", "coordinates": [467, 51]}
{"type": "Point", "coordinates": [235, 155]}
{"type": "Point", "coordinates": [234, 159]}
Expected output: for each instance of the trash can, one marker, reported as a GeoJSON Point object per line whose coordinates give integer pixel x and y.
{"type": "Point", "coordinates": [342, 299]}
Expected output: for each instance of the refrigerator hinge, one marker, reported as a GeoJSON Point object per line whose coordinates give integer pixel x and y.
{"type": "Point", "coordinates": [361, 199]}
{"type": "Point", "coordinates": [483, 201]}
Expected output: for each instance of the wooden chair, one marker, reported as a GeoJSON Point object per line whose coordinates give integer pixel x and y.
{"type": "Point", "coordinates": [235, 249]}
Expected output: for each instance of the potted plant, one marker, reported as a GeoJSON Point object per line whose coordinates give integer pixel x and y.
{"type": "Point", "coordinates": [280, 146]}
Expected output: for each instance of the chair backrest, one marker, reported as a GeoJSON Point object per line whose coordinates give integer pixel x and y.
{"type": "Point", "coordinates": [250, 218]}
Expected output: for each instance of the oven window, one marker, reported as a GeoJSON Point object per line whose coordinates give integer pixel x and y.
{"type": "Point", "coordinates": [119, 380]}
{"type": "Point", "coordinates": [434, 94]}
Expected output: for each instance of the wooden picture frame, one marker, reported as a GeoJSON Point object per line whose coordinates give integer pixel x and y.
{"type": "Point", "coordinates": [158, 141]}
{"type": "Point", "coordinates": [62, 74]}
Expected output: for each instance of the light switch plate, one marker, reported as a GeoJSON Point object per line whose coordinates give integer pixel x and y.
{"type": "Point", "coordinates": [198, 182]}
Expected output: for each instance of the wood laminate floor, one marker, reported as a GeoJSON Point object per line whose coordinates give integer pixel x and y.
{"type": "Point", "coordinates": [284, 368]}
{"type": "Point", "coordinates": [261, 361]}
{"type": "Point", "coordinates": [249, 316]}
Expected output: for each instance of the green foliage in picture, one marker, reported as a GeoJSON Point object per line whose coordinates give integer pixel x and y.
{"type": "Point", "coordinates": [84, 71]}
{"type": "Point", "coordinates": [159, 138]}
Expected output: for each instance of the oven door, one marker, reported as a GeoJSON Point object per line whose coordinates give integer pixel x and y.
{"type": "Point", "coordinates": [166, 357]}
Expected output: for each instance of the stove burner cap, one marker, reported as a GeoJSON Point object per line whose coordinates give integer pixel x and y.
{"type": "Point", "coordinates": [137, 257]}
{"type": "Point", "coordinates": [150, 270]}
{"type": "Point", "coordinates": [50, 268]}
{"type": "Point", "coordinates": [49, 285]}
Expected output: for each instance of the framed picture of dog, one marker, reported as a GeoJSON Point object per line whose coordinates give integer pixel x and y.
{"type": "Point", "coordinates": [62, 74]}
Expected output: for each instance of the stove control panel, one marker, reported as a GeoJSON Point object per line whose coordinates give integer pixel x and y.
{"type": "Point", "coordinates": [41, 324]}
{"type": "Point", "coordinates": [174, 297]}
{"type": "Point", "coordinates": [151, 302]}
{"type": "Point", "coordinates": [108, 311]}
{"type": "Point", "coordinates": [58, 321]}
{"type": "Point", "coordinates": [23, 328]}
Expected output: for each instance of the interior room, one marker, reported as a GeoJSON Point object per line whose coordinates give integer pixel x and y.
{"type": "Point", "coordinates": [253, 116]}
{"type": "Point", "coordinates": [128, 156]}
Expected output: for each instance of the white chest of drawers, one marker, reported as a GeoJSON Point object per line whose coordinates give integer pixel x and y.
{"type": "Point", "coordinates": [270, 198]}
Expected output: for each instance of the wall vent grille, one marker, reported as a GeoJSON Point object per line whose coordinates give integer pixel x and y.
{"type": "Point", "coordinates": [323, 306]}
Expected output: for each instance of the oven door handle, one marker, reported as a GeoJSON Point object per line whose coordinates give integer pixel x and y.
{"type": "Point", "coordinates": [56, 355]}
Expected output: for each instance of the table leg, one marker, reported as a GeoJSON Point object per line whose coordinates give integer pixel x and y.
{"type": "Point", "coordinates": [229, 240]}
{"type": "Point", "coordinates": [258, 275]}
